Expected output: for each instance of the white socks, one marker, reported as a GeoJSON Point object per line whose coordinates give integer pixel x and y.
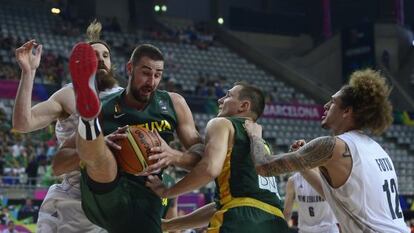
{"type": "Point", "coordinates": [89, 129]}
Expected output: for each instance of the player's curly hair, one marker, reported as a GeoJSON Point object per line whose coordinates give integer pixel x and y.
{"type": "Point", "coordinates": [368, 94]}
{"type": "Point", "coordinates": [93, 34]}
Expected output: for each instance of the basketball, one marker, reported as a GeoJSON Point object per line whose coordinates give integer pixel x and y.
{"type": "Point", "coordinates": [136, 148]}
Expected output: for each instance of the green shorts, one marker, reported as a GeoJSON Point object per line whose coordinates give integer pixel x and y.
{"type": "Point", "coordinates": [246, 219]}
{"type": "Point", "coordinates": [128, 207]}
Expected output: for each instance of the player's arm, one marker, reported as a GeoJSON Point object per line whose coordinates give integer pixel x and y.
{"type": "Point", "coordinates": [289, 199]}
{"type": "Point", "coordinates": [187, 133]}
{"type": "Point", "coordinates": [27, 118]}
{"type": "Point", "coordinates": [189, 138]}
{"type": "Point", "coordinates": [313, 177]}
{"type": "Point", "coordinates": [172, 213]}
{"type": "Point", "coordinates": [317, 152]}
{"type": "Point", "coordinates": [340, 153]}
{"type": "Point", "coordinates": [217, 140]}
{"type": "Point", "coordinates": [198, 218]}
{"type": "Point", "coordinates": [186, 129]}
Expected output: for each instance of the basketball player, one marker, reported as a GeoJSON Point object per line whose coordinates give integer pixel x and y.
{"type": "Point", "coordinates": [111, 198]}
{"type": "Point", "coordinates": [244, 204]}
{"type": "Point", "coordinates": [61, 209]}
{"type": "Point", "coordinates": [356, 176]}
{"type": "Point", "coordinates": [315, 215]}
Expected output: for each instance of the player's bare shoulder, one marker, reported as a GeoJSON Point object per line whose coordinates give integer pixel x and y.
{"type": "Point", "coordinates": [177, 99]}
{"type": "Point", "coordinates": [219, 123]}
{"type": "Point", "coordinates": [180, 106]}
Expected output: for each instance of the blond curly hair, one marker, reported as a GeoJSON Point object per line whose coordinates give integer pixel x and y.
{"type": "Point", "coordinates": [93, 32]}
{"type": "Point", "coordinates": [368, 94]}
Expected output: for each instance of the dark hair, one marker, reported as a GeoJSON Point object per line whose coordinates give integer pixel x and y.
{"type": "Point", "coordinates": [367, 93]}
{"type": "Point", "coordinates": [146, 50]}
{"type": "Point", "coordinates": [255, 95]}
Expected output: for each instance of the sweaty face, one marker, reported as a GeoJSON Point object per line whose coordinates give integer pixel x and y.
{"type": "Point", "coordinates": [229, 104]}
{"type": "Point", "coordinates": [144, 79]}
{"type": "Point", "coordinates": [333, 112]}
{"type": "Point", "coordinates": [104, 75]}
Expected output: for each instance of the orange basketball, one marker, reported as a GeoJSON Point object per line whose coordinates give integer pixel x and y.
{"type": "Point", "coordinates": [133, 157]}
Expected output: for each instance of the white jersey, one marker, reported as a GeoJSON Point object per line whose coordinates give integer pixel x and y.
{"type": "Point", "coordinates": [66, 127]}
{"type": "Point", "coordinates": [314, 213]}
{"type": "Point", "coordinates": [368, 201]}
{"type": "Point", "coordinates": [61, 210]}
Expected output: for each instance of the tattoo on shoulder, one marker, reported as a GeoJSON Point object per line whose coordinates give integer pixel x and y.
{"type": "Point", "coordinates": [311, 155]}
{"type": "Point", "coordinates": [317, 151]}
{"type": "Point", "coordinates": [347, 153]}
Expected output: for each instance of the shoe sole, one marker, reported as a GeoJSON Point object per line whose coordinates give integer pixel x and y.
{"type": "Point", "coordinates": [82, 66]}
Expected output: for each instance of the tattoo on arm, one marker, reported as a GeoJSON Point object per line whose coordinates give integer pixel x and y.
{"type": "Point", "coordinates": [260, 154]}
{"type": "Point", "coordinates": [311, 155]}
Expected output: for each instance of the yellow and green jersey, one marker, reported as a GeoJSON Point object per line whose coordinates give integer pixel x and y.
{"type": "Point", "coordinates": [239, 178]}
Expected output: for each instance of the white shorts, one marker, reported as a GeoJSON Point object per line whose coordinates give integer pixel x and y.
{"type": "Point", "coordinates": [61, 210]}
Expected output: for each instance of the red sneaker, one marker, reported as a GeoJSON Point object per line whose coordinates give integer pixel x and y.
{"type": "Point", "coordinates": [82, 66]}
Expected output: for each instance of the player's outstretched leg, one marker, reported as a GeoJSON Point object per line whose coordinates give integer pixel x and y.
{"type": "Point", "coordinates": [83, 65]}
{"type": "Point", "coordinates": [90, 144]}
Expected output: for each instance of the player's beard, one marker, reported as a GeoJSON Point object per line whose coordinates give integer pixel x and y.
{"type": "Point", "coordinates": [105, 77]}
{"type": "Point", "coordinates": [137, 93]}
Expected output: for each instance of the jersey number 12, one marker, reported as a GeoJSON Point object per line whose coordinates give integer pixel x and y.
{"type": "Point", "coordinates": [388, 189]}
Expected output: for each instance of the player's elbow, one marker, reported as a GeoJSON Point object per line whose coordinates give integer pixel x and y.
{"type": "Point", "coordinates": [212, 172]}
